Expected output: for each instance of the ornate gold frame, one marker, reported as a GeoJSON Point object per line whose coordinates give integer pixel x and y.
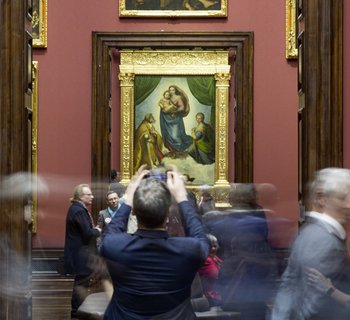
{"type": "Point", "coordinates": [39, 23]}
{"type": "Point", "coordinates": [35, 75]}
{"type": "Point", "coordinates": [291, 32]}
{"type": "Point", "coordinates": [123, 12]}
{"type": "Point", "coordinates": [174, 62]}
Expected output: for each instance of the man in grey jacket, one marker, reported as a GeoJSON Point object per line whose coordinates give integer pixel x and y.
{"type": "Point", "coordinates": [321, 244]}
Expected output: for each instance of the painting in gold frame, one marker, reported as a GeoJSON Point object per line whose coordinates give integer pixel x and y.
{"type": "Point", "coordinates": [145, 76]}
{"type": "Point", "coordinates": [173, 8]}
{"type": "Point", "coordinates": [291, 30]}
{"type": "Point", "coordinates": [35, 76]}
{"type": "Point", "coordinates": [39, 24]}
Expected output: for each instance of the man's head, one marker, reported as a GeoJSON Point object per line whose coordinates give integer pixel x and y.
{"type": "Point", "coordinates": [151, 203]}
{"type": "Point", "coordinates": [330, 193]}
{"type": "Point", "coordinates": [112, 200]}
{"type": "Point", "coordinates": [82, 192]}
{"type": "Point", "coordinates": [115, 175]}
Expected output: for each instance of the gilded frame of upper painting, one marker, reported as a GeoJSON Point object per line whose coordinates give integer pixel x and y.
{"type": "Point", "coordinates": [291, 29]}
{"type": "Point", "coordinates": [202, 80]}
{"type": "Point", "coordinates": [173, 8]}
{"type": "Point", "coordinates": [39, 23]}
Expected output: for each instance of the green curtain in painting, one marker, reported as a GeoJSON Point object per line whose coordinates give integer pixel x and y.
{"type": "Point", "coordinates": [203, 89]}
{"type": "Point", "coordinates": [144, 86]}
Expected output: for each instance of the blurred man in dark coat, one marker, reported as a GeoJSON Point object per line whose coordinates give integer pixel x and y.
{"type": "Point", "coordinates": [248, 272]}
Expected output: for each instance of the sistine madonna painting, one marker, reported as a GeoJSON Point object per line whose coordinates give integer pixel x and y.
{"type": "Point", "coordinates": [175, 123]}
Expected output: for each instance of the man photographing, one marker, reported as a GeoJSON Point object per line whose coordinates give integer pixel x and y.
{"type": "Point", "coordinates": [151, 272]}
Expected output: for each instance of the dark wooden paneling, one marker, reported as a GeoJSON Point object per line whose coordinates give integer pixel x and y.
{"type": "Point", "coordinates": [322, 86]}
{"type": "Point", "coordinates": [15, 141]}
{"type": "Point", "coordinates": [239, 42]}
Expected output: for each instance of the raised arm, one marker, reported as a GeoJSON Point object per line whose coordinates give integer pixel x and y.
{"type": "Point", "coordinates": [192, 221]}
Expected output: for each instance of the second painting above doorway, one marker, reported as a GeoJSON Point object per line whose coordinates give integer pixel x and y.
{"type": "Point", "coordinates": [172, 8]}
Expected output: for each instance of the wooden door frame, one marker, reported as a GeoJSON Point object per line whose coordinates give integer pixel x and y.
{"type": "Point", "coordinates": [241, 43]}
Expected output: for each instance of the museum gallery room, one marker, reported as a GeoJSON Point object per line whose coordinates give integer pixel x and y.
{"type": "Point", "coordinates": [233, 95]}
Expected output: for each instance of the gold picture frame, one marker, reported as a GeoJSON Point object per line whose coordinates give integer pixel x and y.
{"type": "Point", "coordinates": [39, 24]}
{"type": "Point", "coordinates": [168, 8]}
{"type": "Point", "coordinates": [175, 67]}
{"type": "Point", "coordinates": [35, 76]}
{"type": "Point", "coordinates": [291, 30]}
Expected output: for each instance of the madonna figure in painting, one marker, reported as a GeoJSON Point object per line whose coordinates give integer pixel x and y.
{"type": "Point", "coordinates": [174, 106]}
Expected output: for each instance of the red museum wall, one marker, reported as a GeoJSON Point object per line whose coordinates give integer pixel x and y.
{"type": "Point", "coordinates": [64, 131]}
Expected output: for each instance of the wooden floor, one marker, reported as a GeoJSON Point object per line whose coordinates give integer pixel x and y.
{"type": "Point", "coordinates": [51, 291]}
{"type": "Point", "coordinates": [51, 297]}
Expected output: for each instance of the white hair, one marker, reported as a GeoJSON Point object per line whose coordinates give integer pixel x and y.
{"type": "Point", "coordinates": [330, 181]}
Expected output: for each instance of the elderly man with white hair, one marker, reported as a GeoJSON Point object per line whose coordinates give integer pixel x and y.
{"type": "Point", "coordinates": [321, 244]}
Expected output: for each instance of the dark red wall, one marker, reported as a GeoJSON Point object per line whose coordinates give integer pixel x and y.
{"type": "Point", "coordinates": [64, 143]}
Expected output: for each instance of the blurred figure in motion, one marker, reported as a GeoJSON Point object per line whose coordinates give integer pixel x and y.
{"type": "Point", "coordinates": [320, 245]}
{"type": "Point", "coordinates": [209, 273]}
{"type": "Point", "coordinates": [248, 271]}
{"type": "Point", "coordinates": [243, 197]}
{"type": "Point", "coordinates": [115, 176]}
{"type": "Point", "coordinates": [115, 184]}
{"type": "Point", "coordinates": [174, 225]}
{"type": "Point", "coordinates": [80, 244]}
{"type": "Point", "coordinates": [151, 272]}
{"type": "Point", "coordinates": [206, 201]}
{"type": "Point", "coordinates": [326, 287]}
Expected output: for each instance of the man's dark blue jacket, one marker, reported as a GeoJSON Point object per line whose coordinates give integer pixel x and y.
{"type": "Point", "coordinates": [151, 272]}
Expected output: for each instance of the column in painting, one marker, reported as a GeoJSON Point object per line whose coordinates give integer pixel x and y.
{"type": "Point", "coordinates": [127, 125]}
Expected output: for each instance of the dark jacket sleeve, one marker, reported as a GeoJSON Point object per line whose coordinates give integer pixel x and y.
{"type": "Point", "coordinates": [193, 225]}
{"type": "Point", "coordinates": [84, 224]}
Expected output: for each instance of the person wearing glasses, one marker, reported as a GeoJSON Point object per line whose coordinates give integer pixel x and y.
{"type": "Point", "coordinates": [321, 245]}
{"type": "Point", "coordinates": [80, 243]}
